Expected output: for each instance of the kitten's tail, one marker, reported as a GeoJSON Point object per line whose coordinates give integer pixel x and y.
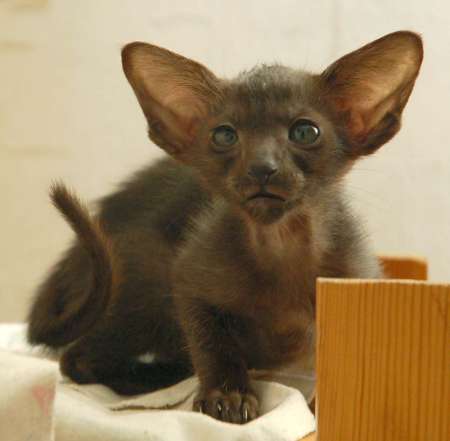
{"type": "Point", "coordinates": [54, 325]}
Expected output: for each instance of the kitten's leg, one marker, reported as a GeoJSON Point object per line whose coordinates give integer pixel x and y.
{"type": "Point", "coordinates": [109, 356]}
{"type": "Point", "coordinates": [126, 376]}
{"type": "Point", "coordinates": [219, 361]}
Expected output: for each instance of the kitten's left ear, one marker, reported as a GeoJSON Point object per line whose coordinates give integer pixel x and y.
{"type": "Point", "coordinates": [368, 89]}
{"type": "Point", "coordinates": [175, 93]}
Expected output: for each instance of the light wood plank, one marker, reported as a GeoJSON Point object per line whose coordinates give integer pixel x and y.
{"type": "Point", "coordinates": [404, 267]}
{"type": "Point", "coordinates": [383, 362]}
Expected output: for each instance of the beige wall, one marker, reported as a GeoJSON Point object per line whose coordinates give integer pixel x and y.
{"type": "Point", "coordinates": [67, 112]}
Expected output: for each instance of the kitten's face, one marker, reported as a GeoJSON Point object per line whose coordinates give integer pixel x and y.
{"type": "Point", "coordinates": [269, 146]}
{"type": "Point", "coordinates": [274, 138]}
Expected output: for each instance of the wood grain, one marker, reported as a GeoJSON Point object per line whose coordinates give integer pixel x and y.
{"type": "Point", "coordinates": [397, 267]}
{"type": "Point", "coordinates": [383, 362]}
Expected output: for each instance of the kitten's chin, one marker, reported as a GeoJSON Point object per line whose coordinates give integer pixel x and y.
{"type": "Point", "coordinates": [265, 211]}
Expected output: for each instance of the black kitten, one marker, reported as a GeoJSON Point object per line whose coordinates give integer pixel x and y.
{"type": "Point", "coordinates": [209, 258]}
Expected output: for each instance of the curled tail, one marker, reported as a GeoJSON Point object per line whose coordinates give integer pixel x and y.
{"type": "Point", "coordinates": [78, 290]}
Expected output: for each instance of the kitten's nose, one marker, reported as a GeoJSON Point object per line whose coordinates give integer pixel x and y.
{"type": "Point", "coordinates": [262, 172]}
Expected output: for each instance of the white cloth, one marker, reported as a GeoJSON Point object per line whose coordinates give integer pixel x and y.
{"type": "Point", "coordinates": [36, 403]}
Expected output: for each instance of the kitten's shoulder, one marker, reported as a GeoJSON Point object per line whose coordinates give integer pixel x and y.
{"type": "Point", "coordinates": [163, 194]}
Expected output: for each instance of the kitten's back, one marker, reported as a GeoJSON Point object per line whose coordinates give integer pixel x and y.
{"type": "Point", "coordinates": [142, 223]}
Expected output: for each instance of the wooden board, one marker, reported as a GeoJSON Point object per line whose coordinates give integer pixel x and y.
{"type": "Point", "coordinates": [404, 267]}
{"type": "Point", "coordinates": [383, 360]}
{"type": "Point", "coordinates": [397, 267]}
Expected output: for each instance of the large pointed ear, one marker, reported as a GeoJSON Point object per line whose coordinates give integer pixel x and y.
{"type": "Point", "coordinates": [174, 92]}
{"type": "Point", "coordinates": [368, 89]}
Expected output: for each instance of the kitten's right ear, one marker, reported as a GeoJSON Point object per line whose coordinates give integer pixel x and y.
{"type": "Point", "coordinates": [175, 93]}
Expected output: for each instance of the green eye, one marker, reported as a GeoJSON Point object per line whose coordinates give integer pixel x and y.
{"type": "Point", "coordinates": [224, 136]}
{"type": "Point", "coordinates": [304, 132]}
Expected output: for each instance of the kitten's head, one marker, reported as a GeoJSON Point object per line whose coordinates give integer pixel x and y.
{"type": "Point", "coordinates": [274, 137]}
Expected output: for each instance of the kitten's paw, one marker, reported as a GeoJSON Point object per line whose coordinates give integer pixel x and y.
{"type": "Point", "coordinates": [233, 407]}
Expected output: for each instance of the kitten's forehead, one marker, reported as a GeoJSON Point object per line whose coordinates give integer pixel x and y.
{"type": "Point", "coordinates": [269, 73]}
{"type": "Point", "coordinates": [267, 93]}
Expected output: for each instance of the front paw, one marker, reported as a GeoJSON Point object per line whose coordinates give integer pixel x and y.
{"type": "Point", "coordinates": [233, 407]}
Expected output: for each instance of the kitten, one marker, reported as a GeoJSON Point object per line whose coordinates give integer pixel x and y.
{"type": "Point", "coordinates": [208, 258]}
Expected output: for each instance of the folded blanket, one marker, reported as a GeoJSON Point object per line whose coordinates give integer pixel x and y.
{"type": "Point", "coordinates": [37, 403]}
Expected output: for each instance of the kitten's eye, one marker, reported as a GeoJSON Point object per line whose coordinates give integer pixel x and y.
{"type": "Point", "coordinates": [304, 132]}
{"type": "Point", "coordinates": [224, 137]}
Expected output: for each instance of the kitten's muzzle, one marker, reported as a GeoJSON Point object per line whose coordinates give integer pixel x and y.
{"type": "Point", "coordinates": [262, 172]}
{"type": "Point", "coordinates": [263, 194]}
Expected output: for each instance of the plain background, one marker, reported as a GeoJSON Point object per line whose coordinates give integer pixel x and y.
{"type": "Point", "coordinates": [66, 110]}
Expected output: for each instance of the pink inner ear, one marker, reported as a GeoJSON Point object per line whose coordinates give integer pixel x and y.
{"type": "Point", "coordinates": [174, 96]}
{"type": "Point", "coordinates": [370, 83]}
{"type": "Point", "coordinates": [177, 86]}
{"type": "Point", "coordinates": [356, 124]}
{"type": "Point", "coordinates": [174, 92]}
{"type": "Point", "coordinates": [354, 116]}
{"type": "Point", "coordinates": [365, 102]}
{"type": "Point", "coordinates": [173, 103]}
{"type": "Point", "coordinates": [187, 114]}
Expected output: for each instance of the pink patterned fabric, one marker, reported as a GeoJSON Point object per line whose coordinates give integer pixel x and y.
{"type": "Point", "coordinates": [37, 404]}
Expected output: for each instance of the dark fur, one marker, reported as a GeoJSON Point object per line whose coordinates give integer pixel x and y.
{"type": "Point", "coordinates": [210, 280]}
{"type": "Point", "coordinates": [61, 325]}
